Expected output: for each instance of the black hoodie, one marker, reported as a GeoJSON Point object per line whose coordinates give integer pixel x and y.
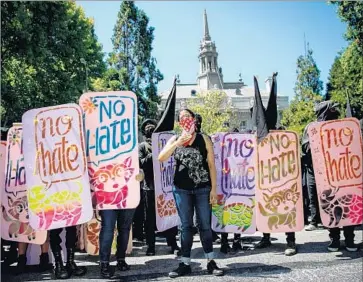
{"type": "Point", "coordinates": [324, 111]}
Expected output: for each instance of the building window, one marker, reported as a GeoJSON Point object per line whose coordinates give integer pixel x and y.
{"type": "Point", "coordinates": [243, 124]}
{"type": "Point", "coordinates": [193, 92]}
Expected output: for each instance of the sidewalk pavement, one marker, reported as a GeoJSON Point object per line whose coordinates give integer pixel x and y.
{"type": "Point", "coordinates": [312, 262]}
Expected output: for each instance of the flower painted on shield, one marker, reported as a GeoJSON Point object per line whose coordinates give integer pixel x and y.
{"type": "Point", "coordinates": [88, 106]}
{"type": "Point", "coordinates": [15, 137]}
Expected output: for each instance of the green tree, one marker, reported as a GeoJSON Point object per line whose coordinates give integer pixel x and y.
{"type": "Point", "coordinates": [346, 76]}
{"type": "Point", "coordinates": [131, 65]}
{"type": "Point", "coordinates": [351, 12]}
{"type": "Point", "coordinates": [308, 89]}
{"type": "Point", "coordinates": [43, 45]}
{"type": "Point", "coordinates": [215, 109]}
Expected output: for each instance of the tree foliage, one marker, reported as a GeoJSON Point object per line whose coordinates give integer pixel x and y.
{"type": "Point", "coordinates": [308, 77]}
{"type": "Point", "coordinates": [43, 45]}
{"type": "Point", "coordinates": [346, 73]}
{"type": "Point", "coordinates": [346, 77]}
{"type": "Point", "coordinates": [131, 65]}
{"type": "Point", "coordinates": [215, 109]}
{"type": "Point", "coordinates": [308, 89]}
{"type": "Point", "coordinates": [351, 12]}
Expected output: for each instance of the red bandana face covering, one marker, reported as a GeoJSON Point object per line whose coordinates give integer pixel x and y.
{"type": "Point", "coordinates": [188, 125]}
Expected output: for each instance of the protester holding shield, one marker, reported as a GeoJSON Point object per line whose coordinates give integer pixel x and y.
{"type": "Point", "coordinates": [123, 218]}
{"type": "Point", "coordinates": [194, 187]}
{"type": "Point", "coordinates": [148, 190]}
{"type": "Point", "coordinates": [326, 111]}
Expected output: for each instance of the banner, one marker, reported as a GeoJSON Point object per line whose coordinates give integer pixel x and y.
{"type": "Point", "coordinates": [235, 157]}
{"type": "Point", "coordinates": [55, 161]}
{"type": "Point", "coordinates": [166, 212]}
{"type": "Point", "coordinates": [336, 148]}
{"type": "Point", "coordinates": [15, 216]}
{"type": "Point", "coordinates": [279, 188]}
{"type": "Point", "coordinates": [111, 140]}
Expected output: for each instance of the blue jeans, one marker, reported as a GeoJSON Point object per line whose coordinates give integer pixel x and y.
{"type": "Point", "coordinates": [186, 201]}
{"type": "Point", "coordinates": [109, 218]}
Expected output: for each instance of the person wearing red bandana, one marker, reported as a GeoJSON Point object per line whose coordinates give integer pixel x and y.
{"type": "Point", "coordinates": [195, 187]}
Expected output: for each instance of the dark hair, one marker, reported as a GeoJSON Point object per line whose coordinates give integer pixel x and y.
{"type": "Point", "coordinates": [187, 110]}
{"type": "Point", "coordinates": [199, 118]}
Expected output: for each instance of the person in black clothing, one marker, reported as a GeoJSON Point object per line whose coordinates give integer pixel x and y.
{"type": "Point", "coordinates": [308, 168]}
{"type": "Point", "coordinates": [325, 111]}
{"type": "Point", "coordinates": [71, 268]}
{"type": "Point", "coordinates": [195, 188]}
{"type": "Point", "coordinates": [146, 164]}
{"type": "Point", "coordinates": [291, 248]}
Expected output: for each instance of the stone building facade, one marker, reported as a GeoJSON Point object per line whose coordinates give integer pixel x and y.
{"type": "Point", "coordinates": [211, 78]}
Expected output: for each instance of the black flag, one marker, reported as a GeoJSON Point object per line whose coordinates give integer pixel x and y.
{"type": "Point", "coordinates": [271, 111]}
{"type": "Point", "coordinates": [259, 114]}
{"type": "Point", "coordinates": [348, 110]}
{"type": "Point", "coordinates": [166, 122]}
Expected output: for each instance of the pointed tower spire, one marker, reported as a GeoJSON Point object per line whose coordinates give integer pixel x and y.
{"type": "Point", "coordinates": [206, 36]}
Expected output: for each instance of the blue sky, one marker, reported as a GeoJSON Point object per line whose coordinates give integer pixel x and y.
{"type": "Point", "coordinates": [252, 38]}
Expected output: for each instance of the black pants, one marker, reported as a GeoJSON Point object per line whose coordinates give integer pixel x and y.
{"type": "Point", "coordinates": [224, 238]}
{"type": "Point", "coordinates": [150, 221]}
{"type": "Point", "coordinates": [313, 196]}
{"type": "Point", "coordinates": [55, 239]}
{"type": "Point", "coordinates": [138, 221]}
{"type": "Point", "coordinates": [334, 233]}
{"type": "Point", "coordinates": [306, 202]}
{"type": "Point", "coordinates": [290, 237]}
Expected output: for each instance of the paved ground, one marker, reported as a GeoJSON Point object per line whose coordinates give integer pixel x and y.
{"type": "Point", "coordinates": [312, 263]}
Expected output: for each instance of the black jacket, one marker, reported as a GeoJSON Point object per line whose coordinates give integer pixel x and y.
{"type": "Point", "coordinates": [323, 113]}
{"type": "Point", "coordinates": [146, 164]}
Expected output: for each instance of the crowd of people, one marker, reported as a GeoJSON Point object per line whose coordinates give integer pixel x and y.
{"type": "Point", "coordinates": [195, 189]}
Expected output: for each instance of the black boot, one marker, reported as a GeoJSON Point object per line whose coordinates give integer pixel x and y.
{"type": "Point", "coordinates": [44, 264]}
{"type": "Point", "coordinates": [71, 265]}
{"type": "Point", "coordinates": [214, 269]}
{"type": "Point", "coordinates": [20, 267]}
{"type": "Point", "coordinates": [264, 243]}
{"type": "Point", "coordinates": [237, 246]}
{"type": "Point", "coordinates": [150, 251]}
{"type": "Point", "coordinates": [122, 265]}
{"type": "Point", "coordinates": [225, 248]}
{"type": "Point", "coordinates": [59, 270]}
{"type": "Point", "coordinates": [106, 271]}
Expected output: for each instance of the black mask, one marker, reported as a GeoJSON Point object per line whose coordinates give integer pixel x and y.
{"type": "Point", "coordinates": [149, 131]}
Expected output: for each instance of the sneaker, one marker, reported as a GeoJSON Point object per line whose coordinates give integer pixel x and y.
{"type": "Point", "coordinates": [225, 248]}
{"type": "Point", "coordinates": [334, 246]}
{"type": "Point", "coordinates": [264, 243]}
{"type": "Point", "coordinates": [311, 227]}
{"type": "Point", "coordinates": [290, 249]}
{"type": "Point", "coordinates": [182, 270]}
{"type": "Point", "coordinates": [350, 246]}
{"type": "Point", "coordinates": [214, 269]}
{"type": "Point", "coordinates": [122, 265]}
